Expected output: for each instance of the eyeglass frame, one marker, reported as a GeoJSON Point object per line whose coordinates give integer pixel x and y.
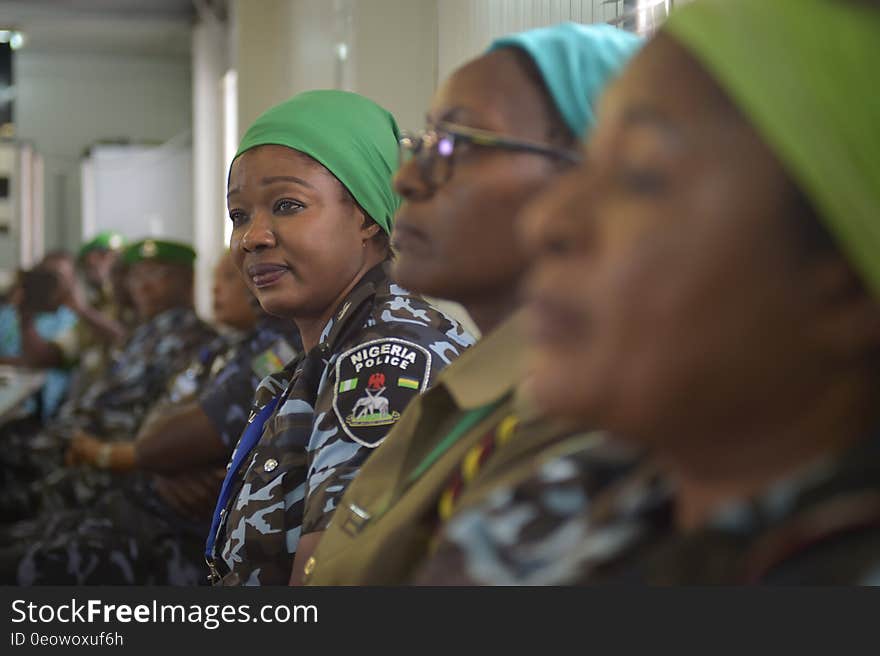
{"type": "Point", "coordinates": [414, 142]}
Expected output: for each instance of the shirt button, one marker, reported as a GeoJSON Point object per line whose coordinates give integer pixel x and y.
{"type": "Point", "coordinates": [270, 465]}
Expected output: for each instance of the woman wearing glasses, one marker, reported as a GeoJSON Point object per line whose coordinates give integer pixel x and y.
{"type": "Point", "coordinates": [311, 204]}
{"type": "Point", "coordinates": [499, 129]}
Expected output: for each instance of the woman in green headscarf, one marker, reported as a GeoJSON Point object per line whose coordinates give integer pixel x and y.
{"type": "Point", "coordinates": [711, 282]}
{"type": "Point", "coordinates": [311, 205]}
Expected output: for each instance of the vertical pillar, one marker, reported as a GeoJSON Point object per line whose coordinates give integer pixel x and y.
{"type": "Point", "coordinates": [209, 64]}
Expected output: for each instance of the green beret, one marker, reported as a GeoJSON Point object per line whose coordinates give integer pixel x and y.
{"type": "Point", "coordinates": [157, 250]}
{"type": "Point", "coordinates": [108, 240]}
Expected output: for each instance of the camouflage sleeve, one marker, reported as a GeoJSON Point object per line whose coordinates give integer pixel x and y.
{"type": "Point", "coordinates": [270, 387]}
{"type": "Point", "coordinates": [146, 376]}
{"type": "Point", "coordinates": [175, 350]}
{"type": "Point", "coordinates": [228, 395]}
{"type": "Point", "coordinates": [365, 390]}
{"type": "Point", "coordinates": [530, 533]}
{"type": "Point", "coordinates": [227, 399]}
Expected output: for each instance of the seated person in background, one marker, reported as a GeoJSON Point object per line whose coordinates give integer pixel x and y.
{"type": "Point", "coordinates": [35, 315]}
{"type": "Point", "coordinates": [311, 205]}
{"type": "Point", "coordinates": [150, 527]}
{"type": "Point", "coordinates": [191, 426]}
{"type": "Point", "coordinates": [159, 278]}
{"type": "Point", "coordinates": [500, 129]}
{"type": "Point", "coordinates": [98, 356]}
{"type": "Point", "coordinates": [100, 325]}
{"type": "Point", "coordinates": [96, 326]}
{"type": "Point", "coordinates": [721, 311]}
{"type": "Point", "coordinates": [97, 258]}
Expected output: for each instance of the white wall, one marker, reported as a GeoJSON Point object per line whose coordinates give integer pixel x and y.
{"type": "Point", "coordinates": [139, 191]}
{"type": "Point", "coordinates": [65, 102]}
{"type": "Point", "coordinates": [467, 27]}
{"type": "Point", "coordinates": [288, 46]}
{"type": "Point", "coordinates": [397, 50]}
{"type": "Point", "coordinates": [394, 55]}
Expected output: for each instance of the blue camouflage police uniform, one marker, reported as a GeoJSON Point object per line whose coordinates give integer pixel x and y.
{"type": "Point", "coordinates": [318, 421]}
{"type": "Point", "coordinates": [583, 518]}
{"type": "Point", "coordinates": [113, 408]}
{"type": "Point", "coordinates": [131, 535]}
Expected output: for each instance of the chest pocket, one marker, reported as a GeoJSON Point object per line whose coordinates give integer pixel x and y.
{"type": "Point", "coordinates": [292, 431]}
{"type": "Point", "coordinates": [279, 468]}
{"type": "Point", "coordinates": [270, 463]}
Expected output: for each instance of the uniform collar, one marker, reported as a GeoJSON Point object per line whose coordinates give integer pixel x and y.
{"type": "Point", "coordinates": [487, 371]}
{"type": "Point", "coordinates": [276, 324]}
{"type": "Point", "coordinates": [349, 307]}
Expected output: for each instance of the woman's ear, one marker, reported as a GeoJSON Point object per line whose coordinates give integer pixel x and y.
{"type": "Point", "coordinates": [849, 315]}
{"type": "Point", "coordinates": [369, 228]}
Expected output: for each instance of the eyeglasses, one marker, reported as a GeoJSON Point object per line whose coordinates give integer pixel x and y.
{"type": "Point", "coordinates": [433, 148]}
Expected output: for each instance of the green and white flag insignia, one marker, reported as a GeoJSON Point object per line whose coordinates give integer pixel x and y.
{"type": "Point", "coordinates": [348, 385]}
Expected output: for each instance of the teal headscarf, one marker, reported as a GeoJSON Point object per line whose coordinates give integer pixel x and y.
{"type": "Point", "coordinates": [576, 62]}
{"type": "Point", "coordinates": [353, 137]}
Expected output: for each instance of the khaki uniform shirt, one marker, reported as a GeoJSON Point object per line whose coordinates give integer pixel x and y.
{"type": "Point", "coordinates": [386, 522]}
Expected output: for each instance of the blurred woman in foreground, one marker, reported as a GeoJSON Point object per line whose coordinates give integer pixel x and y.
{"type": "Point", "coordinates": [710, 281]}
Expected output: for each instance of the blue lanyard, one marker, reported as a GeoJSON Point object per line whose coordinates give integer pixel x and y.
{"type": "Point", "coordinates": [246, 444]}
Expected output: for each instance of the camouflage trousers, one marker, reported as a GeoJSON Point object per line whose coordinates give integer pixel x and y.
{"type": "Point", "coordinates": [34, 479]}
{"type": "Point", "coordinates": [27, 456]}
{"type": "Point", "coordinates": [119, 541]}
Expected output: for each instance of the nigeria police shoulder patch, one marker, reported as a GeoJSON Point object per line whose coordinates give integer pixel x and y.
{"type": "Point", "coordinates": [374, 383]}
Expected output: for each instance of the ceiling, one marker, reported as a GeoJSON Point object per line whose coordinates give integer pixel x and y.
{"type": "Point", "coordinates": [146, 27]}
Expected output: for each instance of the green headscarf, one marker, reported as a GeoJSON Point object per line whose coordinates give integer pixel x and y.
{"type": "Point", "coordinates": [801, 70]}
{"type": "Point", "coordinates": [353, 137]}
{"type": "Point", "coordinates": [576, 63]}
